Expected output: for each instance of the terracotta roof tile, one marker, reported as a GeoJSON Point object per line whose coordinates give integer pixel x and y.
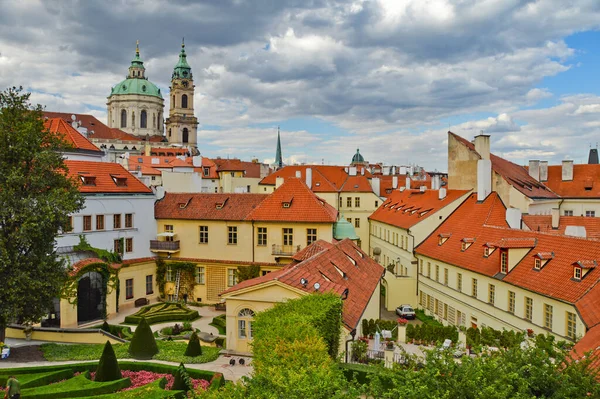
{"type": "Point", "coordinates": [77, 266]}
{"type": "Point", "coordinates": [307, 252]}
{"type": "Point", "coordinates": [356, 184]}
{"type": "Point", "coordinates": [327, 179]}
{"type": "Point", "coordinates": [584, 175]}
{"type": "Point", "coordinates": [102, 177]}
{"type": "Point", "coordinates": [589, 346]}
{"type": "Point", "coordinates": [70, 135]}
{"type": "Point", "coordinates": [340, 267]}
{"type": "Point", "coordinates": [250, 169]}
{"type": "Point", "coordinates": [169, 152]}
{"type": "Point", "coordinates": [203, 206]}
{"type": "Point", "coordinates": [544, 223]}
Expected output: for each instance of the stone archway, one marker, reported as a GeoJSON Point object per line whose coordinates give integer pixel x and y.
{"type": "Point", "coordinates": [91, 297]}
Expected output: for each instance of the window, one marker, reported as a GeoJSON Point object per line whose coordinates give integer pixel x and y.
{"type": "Point", "coordinates": [87, 223]}
{"type": "Point", "coordinates": [538, 264]}
{"type": "Point", "coordinates": [232, 235]}
{"type": "Point", "coordinates": [206, 171]}
{"type": "Point", "coordinates": [185, 135]}
{"type": "Point", "coordinates": [169, 274]}
{"type": "Point", "coordinates": [548, 316]}
{"type": "Point", "coordinates": [421, 266]}
{"type": "Point", "coordinates": [117, 221]}
{"type": "Point", "coordinates": [356, 222]}
{"type": "Point", "coordinates": [311, 236]}
{"type": "Point", "coordinates": [200, 275]}
{"type": "Point", "coordinates": [99, 222]}
{"type": "Point", "coordinates": [376, 204]}
{"type": "Point", "coordinates": [349, 202]}
{"type": "Point", "coordinates": [474, 288]}
{"type": "Point", "coordinates": [129, 245]}
{"type": "Point", "coordinates": [245, 323]}
{"type": "Point", "coordinates": [577, 273]}
{"type": "Point", "coordinates": [69, 226]}
{"type": "Point", "coordinates": [144, 119]}
{"type": "Point", "coordinates": [511, 301]}
{"type": "Point", "coordinates": [168, 229]}
{"type": "Point", "coordinates": [568, 213]}
{"type": "Point", "coordinates": [437, 273]}
{"type": "Point", "coordinates": [262, 236]}
{"type": "Point", "coordinates": [173, 105]}
{"type": "Point", "coordinates": [504, 262]}
{"type": "Point", "coordinates": [492, 294]}
{"type": "Point", "coordinates": [123, 118]}
{"type": "Point", "coordinates": [528, 308]}
{"type": "Point", "coordinates": [357, 202]}
{"type": "Point", "coordinates": [459, 281]}
{"type": "Point", "coordinates": [129, 288]}
{"type": "Point", "coordinates": [429, 269]}
{"type": "Point", "coordinates": [288, 236]}
{"type": "Point", "coordinates": [118, 246]}
{"type": "Point", "coordinates": [340, 202]}
{"type": "Point", "coordinates": [128, 220]}
{"type": "Point", "coordinates": [184, 101]}
{"type": "Point", "coordinates": [203, 230]}
{"type": "Point", "coordinates": [231, 277]}
{"type": "Point", "coordinates": [571, 325]}
{"type": "Point", "coordinates": [445, 276]}
{"type": "Point", "coordinates": [590, 214]}
{"type": "Point", "coordinates": [149, 285]}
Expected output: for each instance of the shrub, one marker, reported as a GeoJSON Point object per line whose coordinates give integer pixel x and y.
{"type": "Point", "coordinates": [143, 345]}
{"type": "Point", "coordinates": [182, 379]}
{"type": "Point", "coordinates": [187, 326]}
{"type": "Point", "coordinates": [365, 327]}
{"type": "Point", "coordinates": [410, 332]}
{"type": "Point", "coordinates": [108, 367]}
{"type": "Point", "coordinates": [105, 327]}
{"type": "Point", "coordinates": [193, 348]}
{"type": "Point", "coordinates": [359, 350]}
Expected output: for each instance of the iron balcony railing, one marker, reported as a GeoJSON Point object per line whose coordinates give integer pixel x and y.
{"type": "Point", "coordinates": [285, 250]}
{"type": "Point", "coordinates": [156, 245]}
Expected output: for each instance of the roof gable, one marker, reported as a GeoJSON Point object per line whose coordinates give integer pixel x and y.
{"type": "Point", "coordinates": [69, 134]}
{"type": "Point", "coordinates": [104, 178]}
{"type": "Point", "coordinates": [204, 206]}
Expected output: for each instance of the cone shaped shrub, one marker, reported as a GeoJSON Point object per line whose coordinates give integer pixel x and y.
{"type": "Point", "coordinates": [182, 379]}
{"type": "Point", "coordinates": [193, 348]}
{"type": "Point", "coordinates": [108, 367]}
{"type": "Point", "coordinates": [143, 345]}
{"type": "Point", "coordinates": [105, 327]}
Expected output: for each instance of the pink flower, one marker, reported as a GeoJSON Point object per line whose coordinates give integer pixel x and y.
{"type": "Point", "coordinates": [143, 377]}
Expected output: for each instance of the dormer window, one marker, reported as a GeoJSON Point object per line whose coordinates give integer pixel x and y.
{"type": "Point", "coordinates": [577, 273]}
{"type": "Point", "coordinates": [286, 204]}
{"type": "Point", "coordinates": [537, 264]}
{"type": "Point", "coordinates": [220, 205]}
{"type": "Point", "coordinates": [466, 243]}
{"type": "Point", "coordinates": [88, 180]}
{"type": "Point", "coordinates": [504, 261]}
{"type": "Point", "coordinates": [206, 171]}
{"type": "Point", "coordinates": [541, 258]}
{"type": "Point", "coordinates": [488, 249]}
{"type": "Point", "coordinates": [120, 180]}
{"type": "Point", "coordinates": [443, 237]}
{"type": "Point", "coordinates": [582, 267]}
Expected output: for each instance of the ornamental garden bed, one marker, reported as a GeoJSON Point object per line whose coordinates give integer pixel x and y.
{"type": "Point", "coordinates": [220, 324]}
{"type": "Point", "coordinates": [162, 313]}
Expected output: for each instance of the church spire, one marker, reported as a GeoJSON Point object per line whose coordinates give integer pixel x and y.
{"type": "Point", "coordinates": [182, 70]}
{"type": "Point", "coordinates": [137, 70]}
{"type": "Point", "coordinates": [278, 159]}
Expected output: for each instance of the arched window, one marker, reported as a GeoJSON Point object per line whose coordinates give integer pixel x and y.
{"type": "Point", "coordinates": [144, 119]}
{"type": "Point", "coordinates": [153, 119]}
{"type": "Point", "coordinates": [133, 119]}
{"type": "Point", "coordinates": [245, 317]}
{"type": "Point", "coordinates": [123, 118]}
{"type": "Point", "coordinates": [173, 104]}
{"type": "Point", "coordinates": [184, 101]}
{"type": "Point", "coordinates": [169, 132]}
{"type": "Point", "coordinates": [185, 137]}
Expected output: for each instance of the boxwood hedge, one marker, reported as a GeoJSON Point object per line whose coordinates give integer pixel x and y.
{"type": "Point", "coordinates": [162, 313]}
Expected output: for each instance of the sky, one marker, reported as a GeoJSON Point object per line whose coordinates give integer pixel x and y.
{"type": "Point", "coordinates": [390, 77]}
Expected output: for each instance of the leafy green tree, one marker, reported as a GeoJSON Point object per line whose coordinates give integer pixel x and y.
{"type": "Point", "coordinates": [182, 380]}
{"type": "Point", "coordinates": [108, 367]}
{"type": "Point", "coordinates": [143, 344]}
{"type": "Point", "coordinates": [36, 196]}
{"type": "Point", "coordinates": [247, 272]}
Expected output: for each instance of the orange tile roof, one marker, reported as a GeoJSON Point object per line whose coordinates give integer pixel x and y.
{"type": "Point", "coordinates": [484, 221]}
{"type": "Point", "coordinates": [341, 266]}
{"type": "Point", "coordinates": [589, 346]}
{"type": "Point", "coordinates": [515, 175]}
{"type": "Point", "coordinates": [393, 210]}
{"type": "Point", "coordinates": [307, 252]}
{"type": "Point", "coordinates": [356, 184]}
{"type": "Point", "coordinates": [70, 135]}
{"type": "Point", "coordinates": [169, 152]}
{"type": "Point", "coordinates": [250, 169]}
{"type": "Point", "coordinates": [203, 206]}
{"type": "Point", "coordinates": [103, 173]}
{"type": "Point", "coordinates": [544, 223]}
{"type": "Point", "coordinates": [326, 179]}
{"type": "Point", "coordinates": [584, 175]}
{"type": "Point", "coordinates": [304, 205]}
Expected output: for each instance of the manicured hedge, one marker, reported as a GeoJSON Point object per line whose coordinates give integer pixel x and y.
{"type": "Point", "coordinates": [38, 379]}
{"type": "Point", "coordinates": [162, 313]}
{"type": "Point", "coordinates": [154, 390]}
{"type": "Point", "coordinates": [117, 330]}
{"type": "Point", "coordinates": [75, 387]}
{"type": "Point", "coordinates": [220, 324]}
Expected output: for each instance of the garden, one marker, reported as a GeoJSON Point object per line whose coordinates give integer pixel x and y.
{"type": "Point", "coordinates": [163, 312]}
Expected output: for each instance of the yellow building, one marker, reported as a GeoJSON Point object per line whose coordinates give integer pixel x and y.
{"type": "Point", "coordinates": [475, 271]}
{"type": "Point", "coordinates": [401, 223]}
{"type": "Point", "coordinates": [342, 268]}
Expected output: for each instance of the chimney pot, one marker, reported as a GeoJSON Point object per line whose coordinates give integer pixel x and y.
{"type": "Point", "coordinates": [482, 146]}
{"type": "Point", "coordinates": [543, 170]}
{"type": "Point", "coordinates": [555, 217]}
{"type": "Point", "coordinates": [534, 169]}
{"type": "Point", "coordinates": [309, 177]}
{"type": "Point", "coordinates": [567, 170]}
{"type": "Point", "coordinates": [278, 182]}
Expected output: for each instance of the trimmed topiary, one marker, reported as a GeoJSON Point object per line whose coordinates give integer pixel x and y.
{"type": "Point", "coordinates": [182, 380]}
{"type": "Point", "coordinates": [108, 367]}
{"type": "Point", "coordinates": [193, 348]}
{"type": "Point", "coordinates": [143, 345]}
{"type": "Point", "coordinates": [105, 327]}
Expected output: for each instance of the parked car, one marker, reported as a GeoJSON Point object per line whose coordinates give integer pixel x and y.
{"type": "Point", "coordinates": [405, 311]}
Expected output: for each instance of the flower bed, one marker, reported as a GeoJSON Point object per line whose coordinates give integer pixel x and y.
{"type": "Point", "coordinates": [163, 312]}
{"type": "Point", "coordinates": [143, 377]}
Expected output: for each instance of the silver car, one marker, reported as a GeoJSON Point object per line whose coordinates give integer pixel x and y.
{"type": "Point", "coordinates": [405, 311]}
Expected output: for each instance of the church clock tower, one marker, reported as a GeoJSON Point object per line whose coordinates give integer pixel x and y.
{"type": "Point", "coordinates": [182, 125]}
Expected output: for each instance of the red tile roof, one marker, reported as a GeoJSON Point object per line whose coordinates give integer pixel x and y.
{"type": "Point", "coordinates": [589, 346]}
{"type": "Point", "coordinates": [70, 135]}
{"type": "Point", "coordinates": [201, 206]}
{"type": "Point", "coordinates": [484, 221]}
{"type": "Point", "coordinates": [394, 212]}
{"type": "Point", "coordinates": [78, 266]}
{"type": "Point", "coordinates": [584, 175]}
{"type": "Point", "coordinates": [356, 184]}
{"type": "Point", "coordinates": [326, 179]}
{"type": "Point", "coordinates": [303, 205]}
{"type": "Point", "coordinates": [515, 175]}
{"type": "Point", "coordinates": [169, 152]}
{"type": "Point", "coordinates": [103, 175]}
{"type": "Point", "coordinates": [250, 169]}
{"type": "Point", "coordinates": [341, 266]}
{"type": "Point", "coordinates": [307, 252]}
{"type": "Point", "coordinates": [544, 223]}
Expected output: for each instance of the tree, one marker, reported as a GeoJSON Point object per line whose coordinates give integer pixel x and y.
{"type": "Point", "coordinates": [182, 380]}
{"type": "Point", "coordinates": [37, 197]}
{"type": "Point", "coordinates": [143, 345]}
{"type": "Point", "coordinates": [244, 273]}
{"type": "Point", "coordinates": [193, 348]}
{"type": "Point", "coordinates": [108, 367]}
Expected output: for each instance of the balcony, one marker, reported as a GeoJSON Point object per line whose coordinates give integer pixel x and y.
{"type": "Point", "coordinates": [164, 246]}
{"type": "Point", "coordinates": [285, 250]}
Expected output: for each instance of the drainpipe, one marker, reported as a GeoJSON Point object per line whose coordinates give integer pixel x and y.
{"type": "Point", "coordinates": [253, 241]}
{"type": "Point", "coordinates": [352, 334]}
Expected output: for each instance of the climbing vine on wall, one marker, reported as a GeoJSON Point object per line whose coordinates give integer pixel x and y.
{"type": "Point", "coordinates": [161, 272]}
{"type": "Point", "coordinates": [108, 256]}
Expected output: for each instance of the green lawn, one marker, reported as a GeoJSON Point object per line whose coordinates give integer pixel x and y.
{"type": "Point", "coordinates": [220, 324]}
{"type": "Point", "coordinates": [75, 387]}
{"type": "Point", "coordinates": [170, 351]}
{"type": "Point", "coordinates": [149, 391]}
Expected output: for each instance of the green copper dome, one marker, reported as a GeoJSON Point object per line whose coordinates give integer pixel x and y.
{"type": "Point", "coordinates": [136, 86]}
{"type": "Point", "coordinates": [343, 229]}
{"type": "Point", "coordinates": [182, 70]}
{"type": "Point", "coordinates": [357, 158]}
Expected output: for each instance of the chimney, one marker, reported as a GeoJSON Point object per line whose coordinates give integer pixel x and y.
{"type": "Point", "coordinates": [346, 169]}
{"type": "Point", "coordinates": [362, 171]}
{"type": "Point", "coordinates": [386, 170]}
{"type": "Point", "coordinates": [309, 177]}
{"type": "Point", "coordinates": [394, 182]}
{"type": "Point", "coordinates": [375, 185]}
{"type": "Point", "coordinates": [484, 179]}
{"type": "Point", "coordinates": [543, 170]}
{"type": "Point", "coordinates": [403, 170]}
{"type": "Point", "coordinates": [567, 170]}
{"type": "Point", "coordinates": [576, 231]}
{"type": "Point", "coordinates": [555, 218]}
{"type": "Point", "coordinates": [442, 193]}
{"type": "Point", "coordinates": [407, 183]}
{"type": "Point", "coordinates": [278, 182]}
{"type": "Point", "coordinates": [197, 161]}
{"type": "Point", "coordinates": [352, 170]}
{"type": "Point", "coordinates": [422, 189]}
{"type": "Point", "coordinates": [534, 169]}
{"type": "Point", "coordinates": [593, 157]}
{"type": "Point", "coordinates": [298, 174]}
{"type": "Point", "coordinates": [513, 218]}
{"type": "Point", "coordinates": [482, 146]}
{"type": "Point", "coordinates": [394, 170]}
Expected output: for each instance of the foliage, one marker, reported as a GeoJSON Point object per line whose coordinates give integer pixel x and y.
{"type": "Point", "coordinates": [487, 336]}
{"type": "Point", "coordinates": [33, 178]}
{"type": "Point", "coordinates": [143, 345]}
{"type": "Point", "coordinates": [37, 379]}
{"type": "Point", "coordinates": [78, 386]}
{"type": "Point", "coordinates": [161, 272]}
{"type": "Point", "coordinates": [244, 273]}
{"type": "Point", "coordinates": [371, 326]}
{"type": "Point", "coordinates": [431, 333]}
{"type": "Point", "coordinates": [420, 315]}
{"type": "Point", "coordinates": [220, 323]}
{"type": "Point", "coordinates": [108, 367]}
{"type": "Point", "coordinates": [359, 350]}
{"type": "Point", "coordinates": [182, 379]}
{"type": "Point", "coordinates": [193, 349]}
{"type": "Point", "coordinates": [105, 327]}
{"type": "Point", "coordinates": [105, 255]}
{"type": "Point", "coordinates": [116, 330]}
{"type": "Point", "coordinates": [163, 312]}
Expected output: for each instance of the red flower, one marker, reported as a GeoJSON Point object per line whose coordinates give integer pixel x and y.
{"type": "Point", "coordinates": [402, 321]}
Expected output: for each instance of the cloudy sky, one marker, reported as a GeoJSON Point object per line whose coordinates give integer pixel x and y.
{"type": "Point", "coordinates": [390, 77]}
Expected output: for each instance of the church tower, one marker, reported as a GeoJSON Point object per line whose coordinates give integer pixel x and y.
{"type": "Point", "coordinates": [182, 125]}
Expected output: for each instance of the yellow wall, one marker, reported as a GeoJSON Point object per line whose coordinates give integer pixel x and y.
{"type": "Point", "coordinates": [138, 273]}
{"type": "Point", "coordinates": [63, 336]}
{"type": "Point", "coordinates": [369, 202]}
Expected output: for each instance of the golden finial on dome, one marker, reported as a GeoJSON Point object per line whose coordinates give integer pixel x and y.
{"type": "Point", "coordinates": [137, 47]}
